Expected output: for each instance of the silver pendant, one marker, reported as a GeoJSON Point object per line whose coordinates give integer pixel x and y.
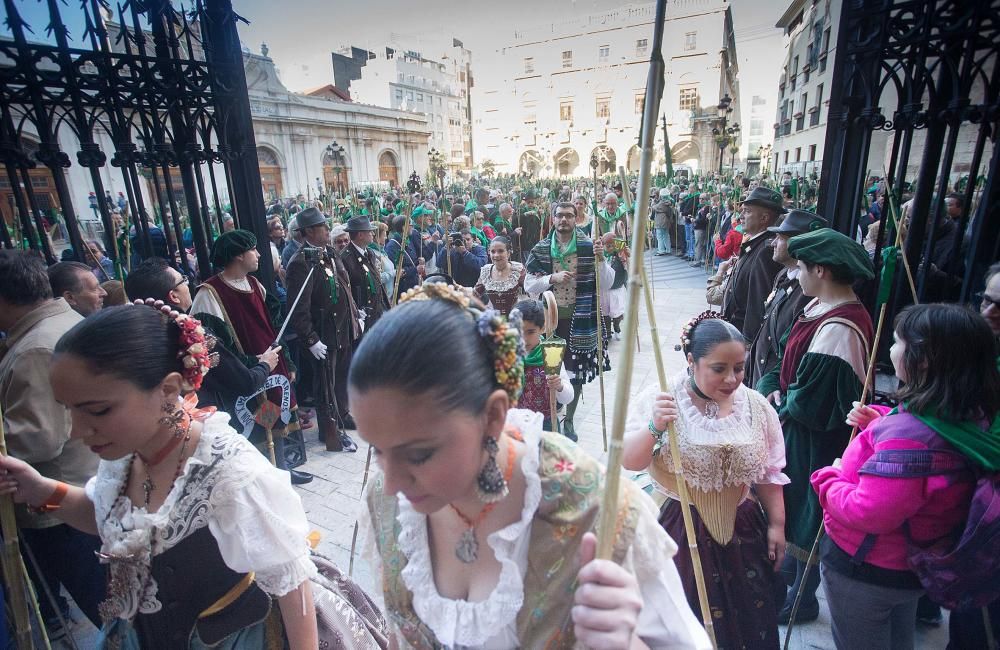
{"type": "Point", "coordinates": [711, 409]}
{"type": "Point", "coordinates": [467, 548]}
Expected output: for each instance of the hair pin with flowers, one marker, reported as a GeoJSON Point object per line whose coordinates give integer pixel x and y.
{"type": "Point", "coordinates": [194, 346]}
{"type": "Point", "coordinates": [503, 338]}
{"type": "Point", "coordinates": [688, 328]}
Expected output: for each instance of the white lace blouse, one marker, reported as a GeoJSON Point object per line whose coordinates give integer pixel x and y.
{"type": "Point", "coordinates": [666, 620]}
{"type": "Point", "coordinates": [249, 506]}
{"type": "Point", "coordinates": [751, 435]}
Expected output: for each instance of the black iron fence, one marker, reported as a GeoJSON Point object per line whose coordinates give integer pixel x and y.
{"type": "Point", "coordinates": [146, 94]}
{"type": "Point", "coordinates": [915, 99]}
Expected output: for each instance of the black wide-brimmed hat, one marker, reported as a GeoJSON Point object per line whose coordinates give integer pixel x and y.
{"type": "Point", "coordinates": [766, 198]}
{"type": "Point", "coordinates": [359, 224]}
{"type": "Point", "coordinates": [309, 217]}
{"type": "Point", "coordinates": [799, 222]}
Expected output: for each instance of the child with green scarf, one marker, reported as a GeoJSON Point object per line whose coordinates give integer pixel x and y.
{"type": "Point", "coordinates": [535, 395]}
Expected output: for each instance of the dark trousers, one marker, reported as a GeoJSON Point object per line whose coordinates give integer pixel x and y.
{"type": "Point", "coordinates": [67, 557]}
{"type": "Point", "coordinates": [792, 571]}
{"type": "Point", "coordinates": [330, 382]}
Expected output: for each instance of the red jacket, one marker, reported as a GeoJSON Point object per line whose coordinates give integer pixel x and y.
{"type": "Point", "coordinates": [730, 246]}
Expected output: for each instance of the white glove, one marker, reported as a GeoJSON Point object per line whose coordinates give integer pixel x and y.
{"type": "Point", "coordinates": [318, 350]}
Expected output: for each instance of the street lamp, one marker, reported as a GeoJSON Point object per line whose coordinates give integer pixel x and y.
{"type": "Point", "coordinates": [722, 135]}
{"type": "Point", "coordinates": [336, 152]}
{"type": "Point", "coordinates": [437, 166]}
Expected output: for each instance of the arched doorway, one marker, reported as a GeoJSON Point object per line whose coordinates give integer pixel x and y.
{"type": "Point", "coordinates": [605, 160]}
{"type": "Point", "coordinates": [43, 188]}
{"type": "Point", "coordinates": [388, 170]}
{"type": "Point", "coordinates": [335, 168]}
{"type": "Point", "coordinates": [270, 173]}
{"type": "Point", "coordinates": [686, 153]}
{"type": "Point", "coordinates": [567, 161]}
{"type": "Point", "coordinates": [530, 163]}
{"type": "Point", "coordinates": [633, 159]}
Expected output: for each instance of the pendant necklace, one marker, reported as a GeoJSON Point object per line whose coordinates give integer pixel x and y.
{"type": "Point", "coordinates": [467, 548]}
{"type": "Point", "coordinates": [711, 409]}
{"type": "Point", "coordinates": [147, 485]}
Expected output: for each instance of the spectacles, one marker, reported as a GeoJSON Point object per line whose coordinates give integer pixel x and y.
{"type": "Point", "coordinates": [985, 301]}
{"type": "Point", "coordinates": [179, 283]}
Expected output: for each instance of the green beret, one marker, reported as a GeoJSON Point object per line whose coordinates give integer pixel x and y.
{"type": "Point", "coordinates": [827, 247]}
{"type": "Point", "coordinates": [231, 244]}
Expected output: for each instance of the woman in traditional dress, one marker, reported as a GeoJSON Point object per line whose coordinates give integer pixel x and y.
{"type": "Point", "coordinates": [201, 534]}
{"type": "Point", "coordinates": [502, 282]}
{"type": "Point", "coordinates": [481, 522]}
{"type": "Point", "coordinates": [584, 215]}
{"type": "Point", "coordinates": [732, 454]}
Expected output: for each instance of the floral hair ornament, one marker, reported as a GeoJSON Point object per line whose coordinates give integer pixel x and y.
{"type": "Point", "coordinates": [503, 338]}
{"type": "Point", "coordinates": [194, 346]}
{"type": "Point", "coordinates": [688, 329]}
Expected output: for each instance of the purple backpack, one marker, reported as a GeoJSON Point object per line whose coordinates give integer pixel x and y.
{"type": "Point", "coordinates": [962, 570]}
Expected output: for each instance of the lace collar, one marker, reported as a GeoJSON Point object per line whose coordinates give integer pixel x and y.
{"type": "Point", "coordinates": [503, 284]}
{"type": "Point", "coordinates": [461, 622]}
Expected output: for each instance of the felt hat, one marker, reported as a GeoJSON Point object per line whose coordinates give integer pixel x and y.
{"type": "Point", "coordinates": [231, 244]}
{"type": "Point", "coordinates": [827, 247]}
{"type": "Point", "coordinates": [798, 222]}
{"type": "Point", "coordinates": [766, 198]}
{"type": "Point", "coordinates": [309, 217]}
{"type": "Point", "coordinates": [359, 224]}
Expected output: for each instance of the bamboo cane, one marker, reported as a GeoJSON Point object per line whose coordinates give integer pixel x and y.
{"type": "Point", "coordinates": [15, 577]}
{"type": "Point", "coordinates": [675, 456]}
{"type": "Point", "coordinates": [600, 332]}
{"type": "Point", "coordinates": [354, 536]}
{"type": "Point", "coordinates": [404, 236]}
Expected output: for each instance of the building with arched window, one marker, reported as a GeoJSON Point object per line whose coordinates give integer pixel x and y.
{"type": "Point", "coordinates": [573, 89]}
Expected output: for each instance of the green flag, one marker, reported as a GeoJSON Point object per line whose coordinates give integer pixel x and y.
{"type": "Point", "coordinates": [669, 156]}
{"type": "Point", "coordinates": [890, 254]}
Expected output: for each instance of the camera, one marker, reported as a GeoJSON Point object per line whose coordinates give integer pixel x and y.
{"type": "Point", "coordinates": [457, 239]}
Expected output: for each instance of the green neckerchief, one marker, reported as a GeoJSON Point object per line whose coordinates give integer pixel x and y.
{"type": "Point", "coordinates": [480, 235]}
{"type": "Point", "coordinates": [981, 446]}
{"type": "Point", "coordinates": [331, 281]}
{"type": "Point", "coordinates": [561, 255]}
{"type": "Point", "coordinates": [499, 225]}
{"type": "Point", "coordinates": [535, 358]}
{"type": "Point", "coordinates": [609, 220]}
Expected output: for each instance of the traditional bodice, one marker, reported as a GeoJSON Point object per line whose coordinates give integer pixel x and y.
{"type": "Point", "coordinates": [502, 292]}
{"type": "Point", "coordinates": [250, 509]}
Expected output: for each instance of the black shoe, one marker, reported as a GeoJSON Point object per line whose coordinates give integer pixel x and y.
{"type": "Point", "coordinates": [300, 478]}
{"type": "Point", "coordinates": [568, 430]}
{"type": "Point", "coordinates": [808, 612]}
{"type": "Point", "coordinates": [348, 422]}
{"type": "Point", "coordinates": [347, 444]}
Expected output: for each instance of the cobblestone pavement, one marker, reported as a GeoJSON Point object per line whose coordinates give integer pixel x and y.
{"type": "Point", "coordinates": [333, 499]}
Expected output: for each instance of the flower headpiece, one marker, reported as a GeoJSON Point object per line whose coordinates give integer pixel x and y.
{"type": "Point", "coordinates": [501, 335]}
{"type": "Point", "coordinates": [193, 345]}
{"type": "Point", "coordinates": [688, 329]}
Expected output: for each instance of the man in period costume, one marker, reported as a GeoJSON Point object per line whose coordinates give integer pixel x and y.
{"type": "Point", "coordinates": [327, 325]}
{"type": "Point", "coordinates": [612, 212]}
{"type": "Point", "coordinates": [786, 300]}
{"type": "Point", "coordinates": [365, 271]}
{"type": "Point", "coordinates": [822, 365]}
{"type": "Point", "coordinates": [752, 276]}
{"type": "Point", "coordinates": [566, 262]}
{"type": "Point", "coordinates": [245, 319]}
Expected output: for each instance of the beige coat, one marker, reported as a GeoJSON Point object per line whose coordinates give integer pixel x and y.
{"type": "Point", "coordinates": [36, 426]}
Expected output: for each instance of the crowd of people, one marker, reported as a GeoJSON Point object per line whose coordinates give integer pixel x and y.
{"type": "Point", "coordinates": [149, 430]}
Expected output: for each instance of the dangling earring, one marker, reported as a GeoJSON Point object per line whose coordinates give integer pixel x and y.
{"type": "Point", "coordinates": [175, 419]}
{"type": "Point", "coordinates": [491, 485]}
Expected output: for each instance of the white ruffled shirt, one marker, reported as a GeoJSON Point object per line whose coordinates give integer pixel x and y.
{"type": "Point", "coordinates": [249, 506]}
{"type": "Point", "coordinates": [666, 620]}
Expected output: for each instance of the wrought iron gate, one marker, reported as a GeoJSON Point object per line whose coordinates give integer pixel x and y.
{"type": "Point", "coordinates": [924, 73]}
{"type": "Point", "coordinates": [157, 92]}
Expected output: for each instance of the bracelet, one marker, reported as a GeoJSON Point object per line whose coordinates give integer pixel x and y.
{"type": "Point", "coordinates": [656, 433]}
{"type": "Point", "coordinates": [55, 499]}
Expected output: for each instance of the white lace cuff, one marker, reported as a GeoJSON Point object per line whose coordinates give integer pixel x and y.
{"type": "Point", "coordinates": [278, 581]}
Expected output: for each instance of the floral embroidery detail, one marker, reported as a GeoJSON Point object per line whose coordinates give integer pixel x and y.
{"type": "Point", "coordinates": [564, 466]}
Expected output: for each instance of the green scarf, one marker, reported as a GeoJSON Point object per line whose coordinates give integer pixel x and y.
{"type": "Point", "coordinates": [331, 282]}
{"type": "Point", "coordinates": [480, 235]}
{"type": "Point", "coordinates": [535, 357]}
{"type": "Point", "coordinates": [561, 255]}
{"type": "Point", "coordinates": [609, 220]}
{"type": "Point", "coordinates": [980, 446]}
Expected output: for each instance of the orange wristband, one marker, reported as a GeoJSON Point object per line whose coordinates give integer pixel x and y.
{"type": "Point", "coordinates": [54, 500]}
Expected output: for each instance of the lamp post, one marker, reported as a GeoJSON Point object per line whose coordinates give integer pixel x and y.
{"type": "Point", "coordinates": [721, 133]}
{"type": "Point", "coordinates": [336, 152]}
{"type": "Point", "coordinates": [436, 159]}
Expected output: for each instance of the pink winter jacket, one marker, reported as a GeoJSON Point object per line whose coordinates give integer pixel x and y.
{"type": "Point", "coordinates": [855, 504]}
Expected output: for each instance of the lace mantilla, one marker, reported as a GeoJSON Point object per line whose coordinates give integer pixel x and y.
{"type": "Point", "coordinates": [223, 465]}
{"type": "Point", "coordinates": [503, 284]}
{"type": "Point", "coordinates": [461, 622]}
{"type": "Point", "coordinates": [720, 452]}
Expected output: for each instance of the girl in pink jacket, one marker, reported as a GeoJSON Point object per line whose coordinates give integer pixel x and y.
{"type": "Point", "coordinates": [945, 355]}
